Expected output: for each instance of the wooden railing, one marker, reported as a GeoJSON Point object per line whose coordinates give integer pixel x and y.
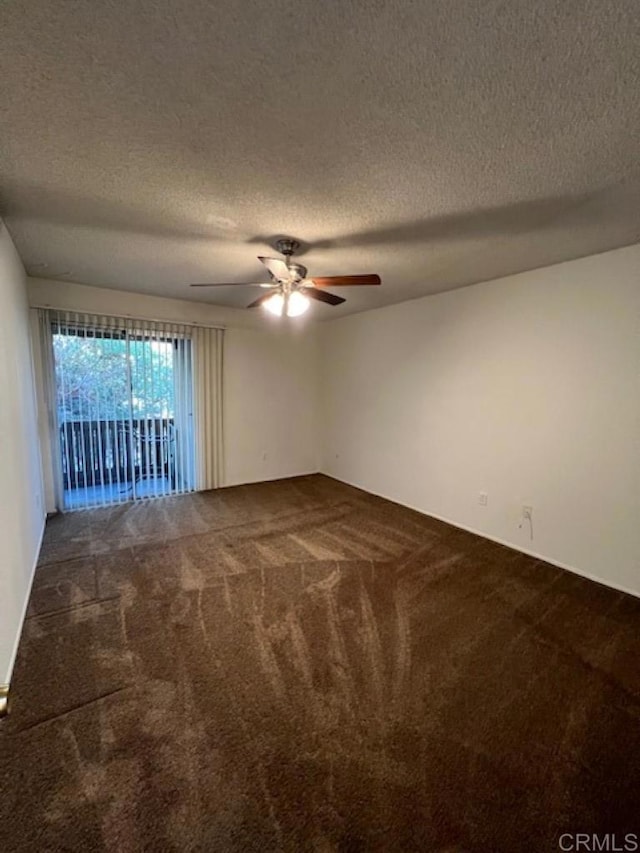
{"type": "Point", "coordinates": [96, 453]}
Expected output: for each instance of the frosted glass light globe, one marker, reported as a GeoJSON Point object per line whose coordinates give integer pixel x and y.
{"type": "Point", "coordinates": [298, 304]}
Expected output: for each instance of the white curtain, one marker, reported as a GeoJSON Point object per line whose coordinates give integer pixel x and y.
{"type": "Point", "coordinates": [207, 370]}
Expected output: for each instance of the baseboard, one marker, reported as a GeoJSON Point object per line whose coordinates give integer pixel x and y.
{"type": "Point", "coordinates": [483, 535]}
{"type": "Point", "coordinates": [4, 688]}
{"type": "Point", "coordinates": [270, 479]}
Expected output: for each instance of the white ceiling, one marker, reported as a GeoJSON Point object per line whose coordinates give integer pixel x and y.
{"type": "Point", "coordinates": [148, 144]}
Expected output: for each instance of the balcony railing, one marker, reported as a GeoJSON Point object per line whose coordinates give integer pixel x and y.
{"type": "Point", "coordinates": [108, 452]}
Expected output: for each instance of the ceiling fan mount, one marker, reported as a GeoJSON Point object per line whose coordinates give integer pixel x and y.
{"type": "Point", "coordinates": [287, 246]}
{"type": "Point", "coordinates": [290, 289]}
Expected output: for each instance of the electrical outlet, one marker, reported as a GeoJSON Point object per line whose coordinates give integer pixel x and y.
{"type": "Point", "coordinates": [483, 498]}
{"type": "Point", "coordinates": [527, 512]}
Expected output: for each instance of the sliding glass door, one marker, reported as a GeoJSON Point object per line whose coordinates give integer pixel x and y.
{"type": "Point", "coordinates": [124, 402]}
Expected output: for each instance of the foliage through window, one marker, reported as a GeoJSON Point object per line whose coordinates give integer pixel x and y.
{"type": "Point", "coordinates": [110, 374]}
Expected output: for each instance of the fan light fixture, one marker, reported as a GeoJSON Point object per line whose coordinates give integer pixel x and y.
{"type": "Point", "coordinates": [274, 304]}
{"type": "Point", "coordinates": [296, 304]}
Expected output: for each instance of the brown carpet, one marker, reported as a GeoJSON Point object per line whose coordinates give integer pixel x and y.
{"type": "Point", "coordinates": [300, 666]}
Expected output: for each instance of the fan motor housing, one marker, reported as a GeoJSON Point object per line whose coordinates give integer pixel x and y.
{"type": "Point", "coordinates": [299, 272]}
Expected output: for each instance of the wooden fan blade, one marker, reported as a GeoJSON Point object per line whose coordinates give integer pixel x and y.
{"type": "Point", "coordinates": [234, 284]}
{"type": "Point", "coordinates": [345, 280]}
{"type": "Point", "coordinates": [322, 296]}
{"type": "Point", "coordinates": [260, 300]}
{"type": "Point", "coordinates": [278, 269]}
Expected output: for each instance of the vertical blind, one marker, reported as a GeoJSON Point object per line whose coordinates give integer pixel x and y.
{"type": "Point", "coordinates": [207, 344]}
{"type": "Point", "coordinates": [136, 407]}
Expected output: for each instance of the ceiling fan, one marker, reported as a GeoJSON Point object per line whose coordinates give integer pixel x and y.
{"type": "Point", "coordinates": [290, 290]}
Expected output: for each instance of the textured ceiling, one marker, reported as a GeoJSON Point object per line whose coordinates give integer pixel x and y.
{"type": "Point", "coordinates": [148, 144]}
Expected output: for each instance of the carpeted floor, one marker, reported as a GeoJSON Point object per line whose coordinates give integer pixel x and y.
{"type": "Point", "coordinates": [300, 666]}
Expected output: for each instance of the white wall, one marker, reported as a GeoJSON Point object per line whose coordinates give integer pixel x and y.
{"type": "Point", "coordinates": [270, 411]}
{"type": "Point", "coordinates": [68, 296]}
{"type": "Point", "coordinates": [269, 376]}
{"type": "Point", "coordinates": [527, 388]}
{"type": "Point", "coordinates": [21, 500]}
